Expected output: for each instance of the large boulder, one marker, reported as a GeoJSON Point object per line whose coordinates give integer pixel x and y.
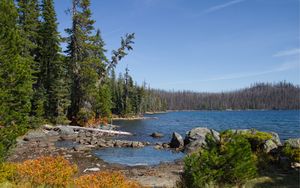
{"type": "Point", "coordinates": [293, 142]}
{"type": "Point", "coordinates": [269, 145]}
{"type": "Point", "coordinates": [66, 130]}
{"type": "Point", "coordinates": [196, 138]}
{"type": "Point", "coordinates": [267, 141]}
{"type": "Point", "coordinates": [176, 141]}
{"type": "Point", "coordinates": [275, 138]}
{"type": "Point", "coordinates": [157, 135]}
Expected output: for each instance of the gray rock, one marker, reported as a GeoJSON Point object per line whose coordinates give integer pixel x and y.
{"type": "Point", "coordinates": [269, 146]}
{"type": "Point", "coordinates": [158, 147]}
{"type": "Point", "coordinates": [275, 138]}
{"type": "Point", "coordinates": [176, 141]}
{"type": "Point", "coordinates": [66, 130]}
{"type": "Point", "coordinates": [294, 143]}
{"type": "Point", "coordinates": [136, 144]}
{"type": "Point", "coordinates": [34, 135]}
{"type": "Point", "coordinates": [166, 145]}
{"type": "Point", "coordinates": [48, 127]}
{"type": "Point", "coordinates": [157, 135]}
{"type": "Point", "coordinates": [81, 148]}
{"type": "Point", "coordinates": [196, 138]}
{"type": "Point", "coordinates": [118, 143]}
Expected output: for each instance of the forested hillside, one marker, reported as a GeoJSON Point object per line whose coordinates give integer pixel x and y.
{"type": "Point", "coordinates": [259, 96]}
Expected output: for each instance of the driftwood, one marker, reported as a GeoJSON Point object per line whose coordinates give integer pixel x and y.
{"type": "Point", "coordinates": [97, 130]}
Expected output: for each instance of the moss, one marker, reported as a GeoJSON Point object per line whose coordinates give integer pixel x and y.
{"type": "Point", "coordinates": [292, 153]}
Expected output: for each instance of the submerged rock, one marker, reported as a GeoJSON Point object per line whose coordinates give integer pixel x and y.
{"type": "Point", "coordinates": [157, 135]}
{"type": "Point", "coordinates": [176, 141]}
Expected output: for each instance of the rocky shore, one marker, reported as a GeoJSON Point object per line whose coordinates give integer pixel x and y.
{"type": "Point", "coordinates": [43, 142]}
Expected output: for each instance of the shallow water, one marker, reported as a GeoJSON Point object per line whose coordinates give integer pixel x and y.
{"type": "Point", "coordinates": [137, 156]}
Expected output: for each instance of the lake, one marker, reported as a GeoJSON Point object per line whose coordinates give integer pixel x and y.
{"type": "Point", "coordinates": [285, 123]}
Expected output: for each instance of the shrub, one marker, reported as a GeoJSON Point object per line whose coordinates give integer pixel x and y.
{"type": "Point", "coordinates": [8, 136]}
{"type": "Point", "coordinates": [105, 180]}
{"type": "Point", "coordinates": [292, 153]}
{"type": "Point", "coordinates": [51, 171]}
{"type": "Point", "coordinates": [7, 172]}
{"type": "Point", "coordinates": [229, 162]}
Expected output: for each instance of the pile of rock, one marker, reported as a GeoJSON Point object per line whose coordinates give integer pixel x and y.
{"type": "Point", "coordinates": [196, 138]}
{"type": "Point", "coordinates": [97, 140]}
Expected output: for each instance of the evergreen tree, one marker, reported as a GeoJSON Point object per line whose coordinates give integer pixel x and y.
{"type": "Point", "coordinates": [86, 61]}
{"type": "Point", "coordinates": [15, 69]}
{"type": "Point", "coordinates": [53, 76]}
{"type": "Point", "coordinates": [29, 23]}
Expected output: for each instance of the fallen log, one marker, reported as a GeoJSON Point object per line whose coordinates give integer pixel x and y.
{"type": "Point", "coordinates": [96, 130]}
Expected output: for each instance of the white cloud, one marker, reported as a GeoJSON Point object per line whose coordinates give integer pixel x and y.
{"type": "Point", "coordinates": [290, 52]}
{"type": "Point", "coordinates": [222, 6]}
{"type": "Point", "coordinates": [281, 68]}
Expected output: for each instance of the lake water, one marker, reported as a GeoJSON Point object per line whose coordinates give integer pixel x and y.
{"type": "Point", "coordinates": [285, 123]}
{"type": "Point", "coordinates": [137, 156]}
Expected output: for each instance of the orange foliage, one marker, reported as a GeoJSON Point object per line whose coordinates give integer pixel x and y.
{"type": "Point", "coordinates": [53, 171]}
{"type": "Point", "coordinates": [105, 179]}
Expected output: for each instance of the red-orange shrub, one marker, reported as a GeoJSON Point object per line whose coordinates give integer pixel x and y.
{"type": "Point", "coordinates": [105, 179]}
{"type": "Point", "coordinates": [51, 171]}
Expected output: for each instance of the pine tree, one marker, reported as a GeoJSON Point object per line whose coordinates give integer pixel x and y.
{"type": "Point", "coordinates": [53, 78]}
{"type": "Point", "coordinates": [29, 23]}
{"type": "Point", "coordinates": [86, 61]}
{"type": "Point", "coordinates": [15, 70]}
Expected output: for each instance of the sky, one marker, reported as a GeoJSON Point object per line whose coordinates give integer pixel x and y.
{"type": "Point", "coordinates": [201, 45]}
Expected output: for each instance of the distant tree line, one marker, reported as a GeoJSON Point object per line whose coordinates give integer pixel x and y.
{"type": "Point", "coordinates": [276, 96]}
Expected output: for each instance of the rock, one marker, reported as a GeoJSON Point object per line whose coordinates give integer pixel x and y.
{"type": "Point", "coordinates": [158, 147]}
{"type": "Point", "coordinates": [295, 165]}
{"type": "Point", "coordinates": [176, 141]}
{"type": "Point", "coordinates": [118, 143]}
{"type": "Point", "coordinates": [294, 143]}
{"type": "Point", "coordinates": [95, 169]}
{"type": "Point", "coordinates": [48, 127]}
{"type": "Point", "coordinates": [165, 145]}
{"type": "Point", "coordinates": [136, 144]}
{"type": "Point", "coordinates": [275, 138]}
{"type": "Point", "coordinates": [88, 134]}
{"type": "Point", "coordinates": [81, 148]}
{"type": "Point", "coordinates": [34, 135]}
{"type": "Point", "coordinates": [269, 146]}
{"type": "Point", "coordinates": [196, 138]}
{"type": "Point", "coordinates": [66, 130]}
{"type": "Point", "coordinates": [157, 135]}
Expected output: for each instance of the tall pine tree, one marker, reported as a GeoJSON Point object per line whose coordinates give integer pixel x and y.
{"type": "Point", "coordinates": [15, 69]}
{"type": "Point", "coordinates": [52, 77]}
{"type": "Point", "coordinates": [86, 58]}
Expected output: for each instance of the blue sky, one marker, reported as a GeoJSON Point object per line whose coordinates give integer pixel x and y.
{"type": "Point", "coordinates": [201, 45]}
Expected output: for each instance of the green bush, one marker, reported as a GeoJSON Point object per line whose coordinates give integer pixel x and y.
{"type": "Point", "coordinates": [229, 162]}
{"type": "Point", "coordinates": [292, 153]}
{"type": "Point", "coordinates": [7, 172]}
{"type": "Point", "coordinates": [8, 136]}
